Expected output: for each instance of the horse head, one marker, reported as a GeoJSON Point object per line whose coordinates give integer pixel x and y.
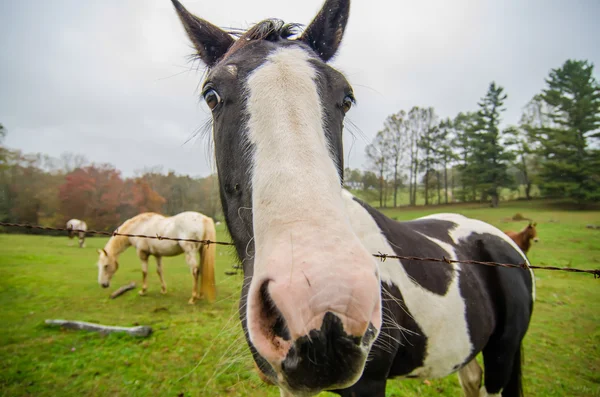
{"type": "Point", "coordinates": [107, 267]}
{"type": "Point", "coordinates": [311, 303]}
{"type": "Point", "coordinates": [532, 232]}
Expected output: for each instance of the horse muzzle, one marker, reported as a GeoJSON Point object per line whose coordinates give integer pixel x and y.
{"type": "Point", "coordinates": [313, 317]}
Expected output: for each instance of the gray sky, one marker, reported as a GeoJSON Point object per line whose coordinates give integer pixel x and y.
{"type": "Point", "coordinates": [111, 79]}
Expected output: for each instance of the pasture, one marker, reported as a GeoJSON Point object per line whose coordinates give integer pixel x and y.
{"type": "Point", "coordinates": [199, 350]}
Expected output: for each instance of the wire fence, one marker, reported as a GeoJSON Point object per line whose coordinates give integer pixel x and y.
{"type": "Point", "coordinates": [382, 256]}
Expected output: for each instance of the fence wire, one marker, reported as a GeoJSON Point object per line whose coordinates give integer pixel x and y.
{"type": "Point", "coordinates": [382, 256]}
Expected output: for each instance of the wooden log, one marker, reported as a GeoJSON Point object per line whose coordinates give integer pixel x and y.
{"type": "Point", "coordinates": [122, 290]}
{"type": "Point", "coordinates": [140, 331]}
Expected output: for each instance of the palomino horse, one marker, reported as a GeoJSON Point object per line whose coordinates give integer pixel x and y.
{"type": "Point", "coordinates": [186, 225]}
{"type": "Point", "coordinates": [81, 227]}
{"type": "Point", "coordinates": [524, 237]}
{"type": "Point", "coordinates": [318, 310]}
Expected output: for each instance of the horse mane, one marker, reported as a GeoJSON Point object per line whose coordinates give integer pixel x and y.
{"type": "Point", "coordinates": [269, 30]}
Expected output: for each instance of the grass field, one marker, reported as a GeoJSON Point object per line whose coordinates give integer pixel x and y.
{"type": "Point", "coordinates": [199, 350]}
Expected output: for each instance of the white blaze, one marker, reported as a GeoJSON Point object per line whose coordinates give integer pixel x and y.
{"type": "Point", "coordinates": [292, 167]}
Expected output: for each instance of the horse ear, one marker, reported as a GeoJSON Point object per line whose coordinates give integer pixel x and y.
{"type": "Point", "coordinates": [325, 32]}
{"type": "Point", "coordinates": [102, 252]}
{"type": "Point", "coordinates": [210, 41]}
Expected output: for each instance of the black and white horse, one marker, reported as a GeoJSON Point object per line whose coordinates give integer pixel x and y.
{"type": "Point", "coordinates": [319, 311]}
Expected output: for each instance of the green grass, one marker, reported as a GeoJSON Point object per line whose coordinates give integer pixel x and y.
{"type": "Point", "coordinates": [199, 350]}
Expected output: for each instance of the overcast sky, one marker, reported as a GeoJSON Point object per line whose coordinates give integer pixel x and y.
{"type": "Point", "coordinates": [111, 79]}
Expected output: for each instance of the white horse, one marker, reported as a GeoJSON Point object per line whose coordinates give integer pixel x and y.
{"type": "Point", "coordinates": [186, 225]}
{"type": "Point", "coordinates": [78, 227]}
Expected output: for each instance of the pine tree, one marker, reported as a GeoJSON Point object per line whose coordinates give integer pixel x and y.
{"type": "Point", "coordinates": [489, 153]}
{"type": "Point", "coordinates": [464, 126]}
{"type": "Point", "coordinates": [570, 165]}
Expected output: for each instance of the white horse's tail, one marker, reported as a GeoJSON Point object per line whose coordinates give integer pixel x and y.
{"type": "Point", "coordinates": [207, 261]}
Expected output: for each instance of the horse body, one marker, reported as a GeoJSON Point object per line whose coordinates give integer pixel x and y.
{"type": "Point", "coordinates": [186, 225]}
{"type": "Point", "coordinates": [319, 311]}
{"type": "Point", "coordinates": [81, 226]}
{"type": "Point", "coordinates": [440, 316]}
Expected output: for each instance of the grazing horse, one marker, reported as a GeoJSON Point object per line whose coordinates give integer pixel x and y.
{"type": "Point", "coordinates": [186, 225]}
{"type": "Point", "coordinates": [524, 237]}
{"type": "Point", "coordinates": [78, 227]}
{"type": "Point", "coordinates": [318, 310]}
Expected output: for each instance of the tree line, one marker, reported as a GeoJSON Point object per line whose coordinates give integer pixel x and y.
{"type": "Point", "coordinates": [555, 146]}
{"type": "Point", "coordinates": [38, 189]}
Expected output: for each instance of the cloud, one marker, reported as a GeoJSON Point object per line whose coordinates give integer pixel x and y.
{"type": "Point", "coordinates": [111, 79]}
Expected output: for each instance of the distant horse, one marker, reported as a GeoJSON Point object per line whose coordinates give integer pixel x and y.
{"type": "Point", "coordinates": [186, 225]}
{"type": "Point", "coordinates": [81, 226]}
{"type": "Point", "coordinates": [318, 310]}
{"type": "Point", "coordinates": [524, 237]}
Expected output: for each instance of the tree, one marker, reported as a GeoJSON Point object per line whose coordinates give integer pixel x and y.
{"type": "Point", "coordinates": [428, 141]}
{"type": "Point", "coordinates": [418, 122]}
{"type": "Point", "coordinates": [395, 136]}
{"type": "Point", "coordinates": [352, 178]}
{"type": "Point", "coordinates": [464, 126]}
{"type": "Point", "coordinates": [570, 158]}
{"type": "Point", "coordinates": [378, 155]}
{"type": "Point", "coordinates": [490, 157]}
{"type": "Point", "coordinates": [445, 151]}
{"type": "Point", "coordinates": [523, 140]}
{"type": "Point", "coordinates": [146, 199]}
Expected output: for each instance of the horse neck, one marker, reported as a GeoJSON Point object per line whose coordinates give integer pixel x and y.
{"type": "Point", "coordinates": [525, 239]}
{"type": "Point", "coordinates": [116, 245]}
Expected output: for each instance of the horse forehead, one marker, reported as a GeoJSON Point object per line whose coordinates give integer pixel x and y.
{"type": "Point", "coordinates": [240, 64]}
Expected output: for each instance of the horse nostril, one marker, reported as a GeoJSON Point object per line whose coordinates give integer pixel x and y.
{"type": "Point", "coordinates": [272, 320]}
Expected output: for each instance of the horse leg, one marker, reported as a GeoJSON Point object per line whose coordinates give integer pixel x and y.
{"type": "Point", "coordinates": [144, 258]}
{"type": "Point", "coordinates": [163, 285]}
{"type": "Point", "coordinates": [469, 378]}
{"type": "Point", "coordinates": [502, 362]}
{"type": "Point", "coordinates": [190, 257]}
{"type": "Point", "coordinates": [81, 241]}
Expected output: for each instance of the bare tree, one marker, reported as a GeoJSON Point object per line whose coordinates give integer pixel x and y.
{"type": "Point", "coordinates": [378, 156]}
{"type": "Point", "coordinates": [396, 138]}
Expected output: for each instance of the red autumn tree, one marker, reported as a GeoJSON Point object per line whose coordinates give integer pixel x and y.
{"type": "Point", "coordinates": [93, 194]}
{"type": "Point", "coordinates": [145, 198]}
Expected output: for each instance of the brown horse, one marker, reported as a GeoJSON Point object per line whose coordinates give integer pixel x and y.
{"type": "Point", "coordinates": [524, 237]}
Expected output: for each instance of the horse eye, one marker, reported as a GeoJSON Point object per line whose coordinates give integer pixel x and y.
{"type": "Point", "coordinates": [212, 98]}
{"type": "Point", "coordinates": [347, 103]}
{"type": "Point", "coordinates": [106, 266]}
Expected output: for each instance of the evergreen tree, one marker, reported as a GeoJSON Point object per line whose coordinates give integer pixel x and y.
{"type": "Point", "coordinates": [490, 157]}
{"type": "Point", "coordinates": [464, 125]}
{"type": "Point", "coordinates": [570, 165]}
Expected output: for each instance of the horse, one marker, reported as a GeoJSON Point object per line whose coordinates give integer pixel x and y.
{"type": "Point", "coordinates": [79, 227]}
{"type": "Point", "coordinates": [318, 310]}
{"type": "Point", "coordinates": [186, 225]}
{"type": "Point", "coordinates": [524, 237]}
